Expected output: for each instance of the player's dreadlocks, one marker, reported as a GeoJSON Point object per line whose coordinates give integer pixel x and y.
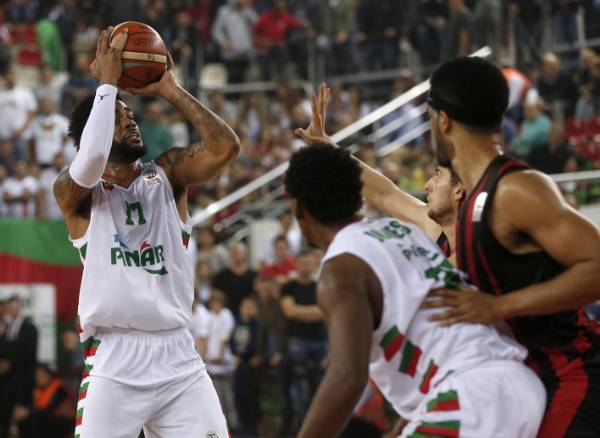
{"type": "Point", "coordinates": [325, 181]}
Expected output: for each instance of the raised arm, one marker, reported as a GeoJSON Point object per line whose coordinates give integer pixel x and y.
{"type": "Point", "coordinates": [342, 294]}
{"type": "Point", "coordinates": [73, 185]}
{"type": "Point", "coordinates": [198, 162]}
{"type": "Point", "coordinates": [378, 190]}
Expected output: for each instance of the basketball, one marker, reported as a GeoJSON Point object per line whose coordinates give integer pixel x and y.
{"type": "Point", "coordinates": [144, 55]}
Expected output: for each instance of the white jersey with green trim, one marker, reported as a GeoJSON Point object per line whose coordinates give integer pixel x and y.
{"type": "Point", "coordinates": [136, 274]}
{"type": "Point", "coordinates": [410, 355]}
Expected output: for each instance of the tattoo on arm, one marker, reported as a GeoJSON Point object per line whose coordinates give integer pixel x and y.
{"type": "Point", "coordinates": [68, 193]}
{"type": "Point", "coordinates": [216, 135]}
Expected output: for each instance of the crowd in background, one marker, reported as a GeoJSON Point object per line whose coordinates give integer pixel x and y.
{"type": "Point", "coordinates": [259, 331]}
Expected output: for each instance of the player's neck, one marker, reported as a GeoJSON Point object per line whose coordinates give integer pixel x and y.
{"type": "Point", "coordinates": [121, 171]}
{"type": "Point", "coordinates": [325, 235]}
{"type": "Point", "coordinates": [472, 157]}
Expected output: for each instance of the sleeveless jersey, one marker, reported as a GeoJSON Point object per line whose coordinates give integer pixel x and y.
{"type": "Point", "coordinates": [444, 244]}
{"type": "Point", "coordinates": [552, 340]}
{"type": "Point", "coordinates": [136, 274]}
{"type": "Point", "coordinates": [410, 355]}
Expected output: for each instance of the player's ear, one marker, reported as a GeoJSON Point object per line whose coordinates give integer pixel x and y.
{"type": "Point", "coordinates": [444, 122]}
{"type": "Point", "coordinates": [458, 192]}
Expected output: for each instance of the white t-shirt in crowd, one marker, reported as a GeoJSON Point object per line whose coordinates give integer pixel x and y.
{"type": "Point", "coordinates": [15, 106]}
{"type": "Point", "coordinates": [220, 327]}
{"type": "Point", "coordinates": [15, 188]}
{"type": "Point", "coordinates": [48, 133]}
{"type": "Point", "coordinates": [46, 182]}
{"type": "Point", "coordinates": [200, 323]}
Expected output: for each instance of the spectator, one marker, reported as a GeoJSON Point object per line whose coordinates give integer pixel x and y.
{"type": "Point", "coordinates": [3, 212]}
{"type": "Point", "coordinates": [74, 360]}
{"type": "Point", "coordinates": [288, 227]}
{"type": "Point", "coordinates": [487, 24]}
{"type": "Point", "coordinates": [555, 156]}
{"type": "Point", "coordinates": [270, 33]}
{"type": "Point", "coordinates": [284, 264]}
{"type": "Point", "coordinates": [22, 11]}
{"type": "Point", "coordinates": [534, 130]}
{"type": "Point", "coordinates": [179, 129]}
{"type": "Point", "coordinates": [204, 278]}
{"type": "Point", "coordinates": [155, 132]}
{"type": "Point", "coordinates": [17, 110]}
{"type": "Point", "coordinates": [585, 109]}
{"type": "Point", "coordinates": [221, 107]}
{"type": "Point", "coordinates": [21, 193]}
{"type": "Point", "coordinates": [21, 347]}
{"type": "Point", "coordinates": [428, 30]}
{"type": "Point", "coordinates": [244, 342]}
{"type": "Point", "coordinates": [183, 45]}
{"type": "Point", "coordinates": [272, 348]}
{"type": "Point", "coordinates": [201, 13]}
{"type": "Point", "coordinates": [557, 88]}
{"type": "Point", "coordinates": [64, 14]}
{"type": "Point", "coordinates": [49, 87]}
{"type": "Point", "coordinates": [208, 250]}
{"type": "Point", "coordinates": [232, 30]}
{"type": "Point", "coordinates": [156, 16]}
{"type": "Point", "coordinates": [80, 84]}
{"type": "Point", "coordinates": [334, 21]}
{"type": "Point", "coordinates": [7, 155]}
{"type": "Point", "coordinates": [5, 389]}
{"type": "Point", "coordinates": [307, 345]}
{"type": "Point", "coordinates": [237, 279]}
{"type": "Point", "coordinates": [48, 37]}
{"type": "Point", "coordinates": [48, 134]}
{"type": "Point", "coordinates": [218, 357]}
{"type": "Point", "coordinates": [457, 40]}
{"type": "Point", "coordinates": [52, 412]}
{"type": "Point", "coordinates": [49, 207]}
{"type": "Point", "coordinates": [199, 325]}
{"type": "Point", "coordinates": [378, 29]}
{"type": "Point", "coordinates": [85, 37]}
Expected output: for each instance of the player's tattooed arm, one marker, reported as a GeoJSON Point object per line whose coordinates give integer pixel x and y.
{"type": "Point", "coordinates": [74, 201]}
{"type": "Point", "coordinates": [202, 161]}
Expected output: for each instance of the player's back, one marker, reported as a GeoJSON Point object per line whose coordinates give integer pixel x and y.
{"type": "Point", "coordinates": [409, 354]}
{"type": "Point", "coordinates": [136, 273]}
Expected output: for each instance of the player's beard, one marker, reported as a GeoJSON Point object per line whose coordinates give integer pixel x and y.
{"type": "Point", "coordinates": [123, 151]}
{"type": "Point", "coordinates": [441, 215]}
{"type": "Point", "coordinates": [444, 151]}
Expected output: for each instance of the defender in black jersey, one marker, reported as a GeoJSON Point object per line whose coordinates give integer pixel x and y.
{"type": "Point", "coordinates": [518, 240]}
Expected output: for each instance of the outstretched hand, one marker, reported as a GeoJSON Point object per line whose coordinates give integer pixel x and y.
{"type": "Point", "coordinates": [160, 88]}
{"type": "Point", "coordinates": [315, 133]}
{"type": "Point", "coordinates": [107, 67]}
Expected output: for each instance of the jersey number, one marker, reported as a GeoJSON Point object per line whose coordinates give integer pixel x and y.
{"type": "Point", "coordinates": [134, 206]}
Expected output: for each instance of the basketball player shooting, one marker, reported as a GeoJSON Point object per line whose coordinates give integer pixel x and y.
{"type": "Point", "coordinates": [374, 277]}
{"type": "Point", "coordinates": [130, 224]}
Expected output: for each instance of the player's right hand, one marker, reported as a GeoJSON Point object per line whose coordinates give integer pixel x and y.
{"type": "Point", "coordinates": [315, 133]}
{"type": "Point", "coordinates": [107, 66]}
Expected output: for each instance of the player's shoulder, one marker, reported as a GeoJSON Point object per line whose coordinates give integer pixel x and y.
{"type": "Point", "coordinates": [524, 185]}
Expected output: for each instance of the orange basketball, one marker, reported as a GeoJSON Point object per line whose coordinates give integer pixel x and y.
{"type": "Point", "coordinates": [144, 55]}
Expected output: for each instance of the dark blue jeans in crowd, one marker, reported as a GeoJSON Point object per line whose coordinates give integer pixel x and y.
{"type": "Point", "coordinates": [304, 358]}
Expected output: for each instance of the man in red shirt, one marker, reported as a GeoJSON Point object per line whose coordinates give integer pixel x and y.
{"type": "Point", "coordinates": [270, 37]}
{"type": "Point", "coordinates": [284, 266]}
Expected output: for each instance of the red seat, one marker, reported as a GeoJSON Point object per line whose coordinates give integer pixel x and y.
{"type": "Point", "coordinates": [30, 57]}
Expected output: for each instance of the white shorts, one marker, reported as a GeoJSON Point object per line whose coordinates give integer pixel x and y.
{"type": "Point", "coordinates": [494, 400]}
{"type": "Point", "coordinates": [154, 381]}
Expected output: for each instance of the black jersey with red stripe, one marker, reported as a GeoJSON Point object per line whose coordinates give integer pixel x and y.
{"type": "Point", "coordinates": [553, 340]}
{"type": "Point", "coordinates": [444, 244]}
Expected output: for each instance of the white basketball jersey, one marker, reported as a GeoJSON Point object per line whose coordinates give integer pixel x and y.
{"type": "Point", "coordinates": [136, 274]}
{"type": "Point", "coordinates": [410, 355]}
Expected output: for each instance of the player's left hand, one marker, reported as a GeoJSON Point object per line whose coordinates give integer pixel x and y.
{"type": "Point", "coordinates": [161, 88]}
{"type": "Point", "coordinates": [465, 305]}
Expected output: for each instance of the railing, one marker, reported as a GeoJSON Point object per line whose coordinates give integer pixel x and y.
{"type": "Point", "coordinates": [338, 137]}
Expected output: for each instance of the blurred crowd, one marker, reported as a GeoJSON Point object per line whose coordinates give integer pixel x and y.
{"type": "Point", "coordinates": [259, 330]}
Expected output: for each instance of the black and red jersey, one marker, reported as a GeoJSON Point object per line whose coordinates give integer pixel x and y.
{"type": "Point", "coordinates": [444, 244]}
{"type": "Point", "coordinates": [553, 340]}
